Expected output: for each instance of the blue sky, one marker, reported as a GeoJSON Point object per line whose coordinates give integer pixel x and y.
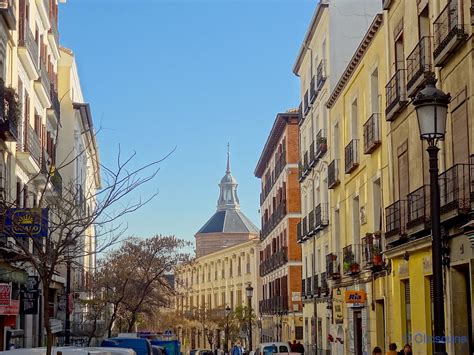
{"type": "Point", "coordinates": [191, 74]}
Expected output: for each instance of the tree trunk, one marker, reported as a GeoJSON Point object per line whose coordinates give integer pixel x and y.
{"type": "Point", "coordinates": [112, 320]}
{"type": "Point", "coordinates": [132, 322]}
{"type": "Point", "coordinates": [47, 326]}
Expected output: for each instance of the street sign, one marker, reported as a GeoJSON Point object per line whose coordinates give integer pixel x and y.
{"type": "Point", "coordinates": [26, 222]}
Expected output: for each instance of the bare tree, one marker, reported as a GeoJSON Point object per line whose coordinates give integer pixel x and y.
{"type": "Point", "coordinates": [69, 213]}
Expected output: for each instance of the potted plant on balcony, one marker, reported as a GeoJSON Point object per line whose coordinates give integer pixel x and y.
{"type": "Point", "coordinates": [377, 250]}
{"type": "Point", "coordinates": [347, 262]}
{"type": "Point", "coordinates": [11, 114]}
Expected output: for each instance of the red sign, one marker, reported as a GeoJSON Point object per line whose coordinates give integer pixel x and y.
{"type": "Point", "coordinates": [12, 309]}
{"type": "Point", "coordinates": [5, 294]}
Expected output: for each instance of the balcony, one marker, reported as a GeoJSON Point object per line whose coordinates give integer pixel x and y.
{"type": "Point", "coordinates": [455, 191]}
{"type": "Point", "coordinates": [28, 50]}
{"type": "Point", "coordinates": [312, 155]}
{"type": "Point", "coordinates": [321, 216]}
{"type": "Point", "coordinates": [9, 113]}
{"type": "Point", "coordinates": [321, 143]}
{"type": "Point", "coordinates": [372, 251]}
{"type": "Point", "coordinates": [303, 288]}
{"type": "Point", "coordinates": [351, 259]}
{"type": "Point", "coordinates": [312, 90]}
{"type": "Point", "coordinates": [43, 10]}
{"type": "Point", "coordinates": [419, 66]}
{"type": "Point", "coordinates": [43, 85]}
{"type": "Point", "coordinates": [299, 233]}
{"type": "Point", "coordinates": [275, 218]}
{"type": "Point", "coordinates": [7, 8]}
{"type": "Point", "coordinates": [317, 289]}
{"type": "Point", "coordinates": [305, 227]}
{"type": "Point", "coordinates": [396, 96]}
{"type": "Point", "coordinates": [321, 74]}
{"type": "Point", "coordinates": [372, 133]}
{"type": "Point", "coordinates": [419, 210]}
{"type": "Point", "coordinates": [333, 268]}
{"type": "Point", "coordinates": [270, 179]}
{"type": "Point", "coordinates": [351, 154]}
{"type": "Point", "coordinates": [309, 289]}
{"type": "Point", "coordinates": [333, 174]}
{"type": "Point", "coordinates": [324, 285]}
{"type": "Point", "coordinates": [306, 104]}
{"type": "Point", "coordinates": [395, 220]}
{"type": "Point", "coordinates": [275, 261]}
{"type": "Point", "coordinates": [304, 166]}
{"type": "Point", "coordinates": [311, 227]}
{"type": "Point", "coordinates": [273, 305]}
{"type": "Point", "coordinates": [54, 111]}
{"type": "Point", "coordinates": [448, 32]}
{"type": "Point", "coordinates": [29, 151]}
{"type": "Point", "coordinates": [53, 36]}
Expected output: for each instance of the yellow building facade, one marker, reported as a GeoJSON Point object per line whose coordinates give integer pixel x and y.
{"type": "Point", "coordinates": [358, 177]}
{"type": "Point", "coordinates": [429, 38]}
{"type": "Point", "coordinates": [213, 282]}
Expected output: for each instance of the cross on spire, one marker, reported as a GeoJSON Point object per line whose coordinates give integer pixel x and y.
{"type": "Point", "coordinates": [228, 157]}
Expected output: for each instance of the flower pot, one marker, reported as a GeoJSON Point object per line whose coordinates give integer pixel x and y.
{"type": "Point", "coordinates": [355, 268]}
{"type": "Point", "coordinates": [377, 260]}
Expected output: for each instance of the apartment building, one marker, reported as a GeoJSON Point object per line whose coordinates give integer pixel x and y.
{"type": "Point", "coordinates": [424, 39]}
{"type": "Point", "coordinates": [280, 255]}
{"type": "Point", "coordinates": [78, 159]}
{"type": "Point", "coordinates": [358, 130]}
{"type": "Point", "coordinates": [212, 283]}
{"type": "Point", "coordinates": [335, 30]}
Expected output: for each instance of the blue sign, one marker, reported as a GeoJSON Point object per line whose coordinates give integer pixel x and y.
{"type": "Point", "coordinates": [26, 222]}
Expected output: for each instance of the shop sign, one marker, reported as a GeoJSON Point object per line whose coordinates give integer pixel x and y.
{"type": "Point", "coordinates": [10, 310]}
{"type": "Point", "coordinates": [27, 222]}
{"type": "Point", "coordinates": [337, 302]}
{"type": "Point", "coordinates": [355, 297]}
{"type": "Point", "coordinates": [30, 296]}
{"type": "Point", "coordinates": [5, 294]}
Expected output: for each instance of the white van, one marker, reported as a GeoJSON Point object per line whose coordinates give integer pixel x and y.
{"type": "Point", "coordinates": [274, 348]}
{"type": "Point", "coordinates": [71, 350]}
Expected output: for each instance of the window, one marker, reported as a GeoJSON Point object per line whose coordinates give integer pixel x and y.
{"type": "Point", "coordinates": [356, 220]}
{"type": "Point", "coordinates": [374, 91]}
{"type": "Point", "coordinates": [377, 205]}
{"type": "Point", "coordinates": [460, 134]}
{"type": "Point", "coordinates": [354, 120]}
{"type": "Point", "coordinates": [403, 172]}
{"type": "Point", "coordinates": [336, 141]}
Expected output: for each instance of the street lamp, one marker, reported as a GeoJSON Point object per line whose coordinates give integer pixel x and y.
{"type": "Point", "coordinates": [227, 314]}
{"type": "Point", "coordinates": [249, 291]}
{"type": "Point", "coordinates": [431, 106]}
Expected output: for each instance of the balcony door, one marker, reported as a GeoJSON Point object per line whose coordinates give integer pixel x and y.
{"type": "Point", "coordinates": [460, 134]}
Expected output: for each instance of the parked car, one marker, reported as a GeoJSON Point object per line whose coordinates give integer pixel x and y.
{"type": "Point", "coordinates": [274, 348]}
{"type": "Point", "coordinates": [139, 345]}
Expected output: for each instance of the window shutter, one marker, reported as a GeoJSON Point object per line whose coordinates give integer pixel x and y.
{"type": "Point", "coordinates": [460, 135]}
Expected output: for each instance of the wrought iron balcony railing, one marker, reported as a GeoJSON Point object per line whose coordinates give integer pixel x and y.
{"type": "Point", "coordinates": [321, 74]}
{"type": "Point", "coordinates": [9, 113]}
{"type": "Point", "coordinates": [372, 251]}
{"type": "Point", "coordinates": [333, 268]}
{"type": "Point", "coordinates": [321, 216]}
{"type": "Point", "coordinates": [324, 285]}
{"type": "Point", "coordinates": [306, 103]}
{"type": "Point", "coordinates": [27, 40]}
{"type": "Point", "coordinates": [317, 286]}
{"type": "Point", "coordinates": [31, 144]}
{"type": "Point", "coordinates": [299, 233]}
{"type": "Point", "coordinates": [448, 31]}
{"type": "Point", "coordinates": [419, 208]}
{"type": "Point", "coordinates": [275, 261]}
{"type": "Point", "coordinates": [396, 96]}
{"type": "Point", "coordinates": [309, 288]}
{"type": "Point", "coordinates": [311, 226]}
{"type": "Point", "coordinates": [321, 143]}
{"type": "Point", "coordinates": [372, 133]}
{"type": "Point", "coordinates": [333, 174]}
{"type": "Point", "coordinates": [351, 153]}
{"type": "Point", "coordinates": [351, 259]}
{"type": "Point", "coordinates": [305, 227]}
{"type": "Point", "coordinates": [396, 217]}
{"type": "Point", "coordinates": [455, 191]}
{"type": "Point", "coordinates": [312, 155]}
{"type": "Point", "coordinates": [300, 113]}
{"type": "Point", "coordinates": [419, 65]}
{"type": "Point", "coordinates": [312, 90]}
{"type": "Point", "coordinates": [278, 214]}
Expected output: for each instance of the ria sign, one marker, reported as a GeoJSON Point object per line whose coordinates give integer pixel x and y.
{"type": "Point", "coordinates": [355, 297]}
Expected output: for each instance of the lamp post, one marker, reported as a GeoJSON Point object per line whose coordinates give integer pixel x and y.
{"type": "Point", "coordinates": [431, 106]}
{"type": "Point", "coordinates": [249, 291]}
{"type": "Point", "coordinates": [227, 314]}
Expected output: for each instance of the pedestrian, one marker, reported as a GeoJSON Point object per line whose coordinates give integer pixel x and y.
{"type": "Point", "coordinates": [377, 351]}
{"type": "Point", "coordinates": [293, 347]}
{"type": "Point", "coordinates": [300, 348]}
{"type": "Point", "coordinates": [406, 350]}
{"type": "Point", "coordinates": [236, 350]}
{"type": "Point", "coordinates": [392, 349]}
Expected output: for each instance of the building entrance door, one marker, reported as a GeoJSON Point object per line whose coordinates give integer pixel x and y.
{"type": "Point", "coordinates": [357, 332]}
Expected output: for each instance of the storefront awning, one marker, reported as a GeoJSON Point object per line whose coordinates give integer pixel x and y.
{"type": "Point", "coordinates": [9, 273]}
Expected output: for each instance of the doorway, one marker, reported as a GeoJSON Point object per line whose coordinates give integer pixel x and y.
{"type": "Point", "coordinates": [357, 332]}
